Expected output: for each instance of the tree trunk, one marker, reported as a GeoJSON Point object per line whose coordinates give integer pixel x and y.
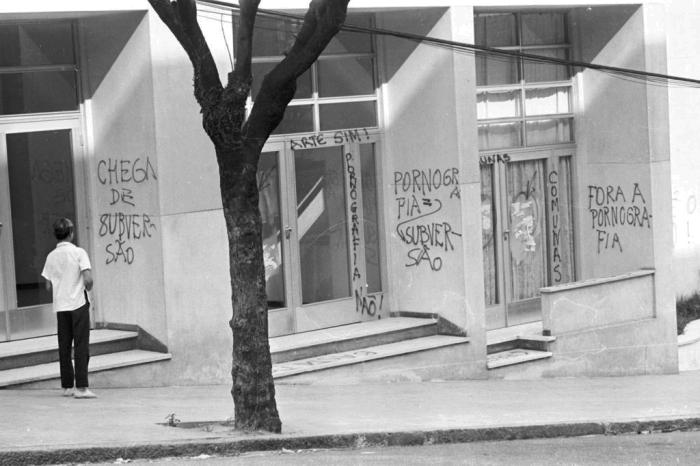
{"type": "Point", "coordinates": [253, 388]}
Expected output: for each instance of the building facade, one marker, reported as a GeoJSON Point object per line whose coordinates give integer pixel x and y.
{"type": "Point", "coordinates": [408, 178]}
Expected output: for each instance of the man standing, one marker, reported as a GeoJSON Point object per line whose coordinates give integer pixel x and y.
{"type": "Point", "coordinates": [68, 273]}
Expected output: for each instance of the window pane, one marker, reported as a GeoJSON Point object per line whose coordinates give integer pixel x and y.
{"type": "Point", "coordinates": [543, 132]}
{"type": "Point", "coordinates": [348, 115]}
{"type": "Point", "coordinates": [322, 224]}
{"type": "Point", "coordinates": [32, 92]}
{"type": "Point", "coordinates": [542, 72]}
{"type": "Point", "coordinates": [496, 29]}
{"type": "Point", "coordinates": [352, 42]}
{"type": "Point", "coordinates": [297, 119]}
{"type": "Point", "coordinates": [370, 218]}
{"type": "Point", "coordinates": [543, 28]}
{"type": "Point", "coordinates": [272, 36]}
{"type": "Point", "coordinates": [41, 191]}
{"type": "Point", "coordinates": [547, 101]}
{"type": "Point", "coordinates": [502, 104]}
{"type": "Point", "coordinates": [488, 239]}
{"type": "Point", "coordinates": [500, 135]}
{"type": "Point", "coordinates": [345, 77]}
{"type": "Point", "coordinates": [269, 203]}
{"type": "Point", "coordinates": [29, 44]}
{"type": "Point", "coordinates": [261, 69]}
{"type": "Point", "coordinates": [493, 70]}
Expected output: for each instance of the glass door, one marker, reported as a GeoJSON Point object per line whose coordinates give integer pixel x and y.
{"type": "Point", "coordinates": [37, 186]}
{"type": "Point", "coordinates": [321, 244]}
{"type": "Point", "coordinates": [527, 232]}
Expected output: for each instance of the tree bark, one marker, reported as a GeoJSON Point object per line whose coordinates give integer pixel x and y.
{"type": "Point", "coordinates": [238, 143]}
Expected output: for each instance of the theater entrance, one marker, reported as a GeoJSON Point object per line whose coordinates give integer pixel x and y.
{"type": "Point", "coordinates": [527, 231]}
{"type": "Point", "coordinates": [39, 183]}
{"type": "Point", "coordinates": [321, 241]}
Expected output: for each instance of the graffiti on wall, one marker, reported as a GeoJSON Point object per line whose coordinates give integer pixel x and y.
{"type": "Point", "coordinates": [370, 304]}
{"type": "Point", "coordinates": [686, 218]}
{"type": "Point", "coordinates": [614, 211]}
{"type": "Point", "coordinates": [420, 195]}
{"type": "Point", "coordinates": [124, 224]}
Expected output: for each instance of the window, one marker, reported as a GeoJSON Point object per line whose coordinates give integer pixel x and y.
{"type": "Point", "coordinates": [520, 102]}
{"type": "Point", "coordinates": [38, 71]}
{"type": "Point", "coordinates": [337, 92]}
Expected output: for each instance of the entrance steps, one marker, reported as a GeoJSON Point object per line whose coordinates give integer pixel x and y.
{"type": "Point", "coordinates": [347, 351]}
{"type": "Point", "coordinates": [36, 359]}
{"type": "Point", "coordinates": [516, 345]}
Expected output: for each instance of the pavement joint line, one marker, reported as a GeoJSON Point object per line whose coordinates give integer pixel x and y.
{"type": "Point", "coordinates": [269, 442]}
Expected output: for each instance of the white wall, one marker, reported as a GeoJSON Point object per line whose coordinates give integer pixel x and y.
{"type": "Point", "coordinates": [684, 115]}
{"type": "Point", "coordinates": [123, 172]}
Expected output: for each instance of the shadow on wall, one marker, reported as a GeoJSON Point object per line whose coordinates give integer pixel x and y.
{"type": "Point", "coordinates": [608, 20]}
{"type": "Point", "coordinates": [104, 38]}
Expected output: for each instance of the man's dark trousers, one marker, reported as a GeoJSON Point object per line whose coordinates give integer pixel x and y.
{"type": "Point", "coordinates": [74, 326]}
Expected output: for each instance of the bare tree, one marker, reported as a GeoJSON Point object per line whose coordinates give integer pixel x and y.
{"type": "Point", "coordinates": [238, 143]}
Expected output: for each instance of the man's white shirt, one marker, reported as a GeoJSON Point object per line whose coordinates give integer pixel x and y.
{"type": "Point", "coordinates": [63, 268]}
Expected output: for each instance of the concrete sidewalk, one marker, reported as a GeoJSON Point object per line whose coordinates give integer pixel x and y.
{"type": "Point", "coordinates": [41, 427]}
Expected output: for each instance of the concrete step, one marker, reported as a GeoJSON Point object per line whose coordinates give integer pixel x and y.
{"type": "Point", "coordinates": [526, 336]}
{"type": "Point", "coordinates": [43, 350]}
{"type": "Point", "coordinates": [349, 338]}
{"type": "Point", "coordinates": [102, 362]}
{"type": "Point", "coordinates": [514, 356]}
{"type": "Point", "coordinates": [281, 370]}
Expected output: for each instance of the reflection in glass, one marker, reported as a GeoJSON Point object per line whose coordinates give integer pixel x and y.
{"type": "Point", "coordinates": [261, 69]}
{"type": "Point", "coordinates": [348, 115]}
{"type": "Point", "coordinates": [322, 224]}
{"type": "Point", "coordinates": [370, 218]}
{"type": "Point", "coordinates": [40, 91]}
{"type": "Point", "coordinates": [41, 191]}
{"type": "Point", "coordinates": [345, 77]}
{"type": "Point", "coordinates": [297, 119]}
{"type": "Point", "coordinates": [528, 248]}
{"type": "Point", "coordinates": [488, 239]}
{"type": "Point", "coordinates": [36, 44]}
{"type": "Point", "coordinates": [269, 203]}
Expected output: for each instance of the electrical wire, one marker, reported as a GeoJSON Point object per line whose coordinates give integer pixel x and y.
{"type": "Point", "coordinates": [491, 52]}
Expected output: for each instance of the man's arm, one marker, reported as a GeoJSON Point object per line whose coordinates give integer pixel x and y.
{"type": "Point", "coordinates": [48, 284]}
{"type": "Point", "coordinates": [87, 278]}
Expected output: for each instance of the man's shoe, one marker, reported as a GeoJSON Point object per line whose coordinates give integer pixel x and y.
{"type": "Point", "coordinates": [83, 393]}
{"type": "Point", "coordinates": [67, 392]}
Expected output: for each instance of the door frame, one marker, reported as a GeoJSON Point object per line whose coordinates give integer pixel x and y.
{"type": "Point", "coordinates": [298, 317]}
{"type": "Point", "coordinates": [29, 124]}
{"type": "Point", "coordinates": [505, 312]}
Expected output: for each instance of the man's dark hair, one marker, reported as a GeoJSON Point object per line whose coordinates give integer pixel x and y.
{"type": "Point", "coordinates": [62, 228]}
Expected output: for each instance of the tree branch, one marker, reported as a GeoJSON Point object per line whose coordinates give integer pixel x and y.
{"type": "Point", "coordinates": [181, 18]}
{"type": "Point", "coordinates": [321, 22]}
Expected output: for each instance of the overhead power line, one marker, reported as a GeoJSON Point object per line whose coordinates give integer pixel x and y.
{"type": "Point", "coordinates": [629, 73]}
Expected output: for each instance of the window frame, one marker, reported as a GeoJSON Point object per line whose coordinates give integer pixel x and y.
{"type": "Point", "coordinates": [58, 67]}
{"type": "Point", "coordinates": [521, 86]}
{"type": "Point", "coordinates": [316, 101]}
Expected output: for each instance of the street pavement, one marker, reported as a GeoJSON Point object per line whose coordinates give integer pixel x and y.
{"type": "Point", "coordinates": [42, 427]}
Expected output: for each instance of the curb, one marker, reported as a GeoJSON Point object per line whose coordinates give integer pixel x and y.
{"type": "Point", "coordinates": [225, 447]}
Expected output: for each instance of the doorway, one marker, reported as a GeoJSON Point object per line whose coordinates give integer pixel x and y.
{"type": "Point", "coordinates": [38, 184]}
{"type": "Point", "coordinates": [527, 231]}
{"type": "Point", "coordinates": [321, 241]}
